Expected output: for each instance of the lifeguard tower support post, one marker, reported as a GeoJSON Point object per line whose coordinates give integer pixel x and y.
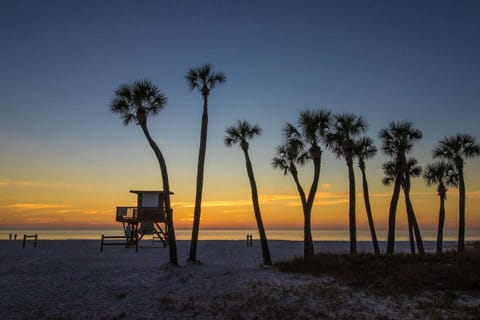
{"type": "Point", "coordinates": [147, 218]}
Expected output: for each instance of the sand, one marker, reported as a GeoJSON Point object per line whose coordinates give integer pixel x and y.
{"type": "Point", "coordinates": [72, 279]}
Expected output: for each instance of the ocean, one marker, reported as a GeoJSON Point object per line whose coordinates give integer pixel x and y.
{"type": "Point", "coordinates": [237, 234]}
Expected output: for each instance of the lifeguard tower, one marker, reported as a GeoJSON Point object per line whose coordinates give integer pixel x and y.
{"type": "Point", "coordinates": [147, 218]}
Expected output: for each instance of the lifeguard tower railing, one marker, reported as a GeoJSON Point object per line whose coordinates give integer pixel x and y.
{"type": "Point", "coordinates": [135, 214]}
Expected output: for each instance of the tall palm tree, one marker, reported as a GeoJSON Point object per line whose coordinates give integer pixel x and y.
{"type": "Point", "coordinates": [456, 149]}
{"type": "Point", "coordinates": [413, 171]}
{"type": "Point", "coordinates": [204, 79]}
{"type": "Point", "coordinates": [312, 128]}
{"type": "Point", "coordinates": [240, 134]}
{"type": "Point", "coordinates": [346, 127]}
{"type": "Point", "coordinates": [287, 156]}
{"type": "Point", "coordinates": [443, 174]}
{"type": "Point", "coordinates": [135, 103]}
{"type": "Point", "coordinates": [365, 149]}
{"type": "Point", "coordinates": [397, 141]}
{"type": "Point", "coordinates": [394, 174]}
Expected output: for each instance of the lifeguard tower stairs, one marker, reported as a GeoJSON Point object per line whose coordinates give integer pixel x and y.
{"type": "Point", "coordinates": [147, 218]}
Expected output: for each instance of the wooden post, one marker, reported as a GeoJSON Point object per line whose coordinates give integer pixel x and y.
{"type": "Point", "coordinates": [101, 244]}
{"type": "Point", "coordinates": [29, 236]}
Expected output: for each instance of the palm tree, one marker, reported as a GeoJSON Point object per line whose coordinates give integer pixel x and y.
{"type": "Point", "coordinates": [394, 174]}
{"type": "Point", "coordinates": [341, 141]}
{"type": "Point", "coordinates": [135, 103]}
{"type": "Point", "coordinates": [287, 156]}
{"type": "Point", "coordinates": [456, 149]}
{"type": "Point", "coordinates": [443, 174]}
{"type": "Point", "coordinates": [313, 126]}
{"type": "Point", "coordinates": [397, 142]}
{"type": "Point", "coordinates": [240, 133]}
{"type": "Point", "coordinates": [413, 170]}
{"type": "Point", "coordinates": [204, 79]}
{"type": "Point", "coordinates": [365, 149]}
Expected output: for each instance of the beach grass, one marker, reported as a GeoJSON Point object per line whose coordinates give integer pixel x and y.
{"type": "Point", "coordinates": [397, 273]}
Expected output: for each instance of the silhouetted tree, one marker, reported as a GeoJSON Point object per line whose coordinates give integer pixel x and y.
{"type": "Point", "coordinates": [456, 149]}
{"type": "Point", "coordinates": [397, 141]}
{"type": "Point", "coordinates": [345, 128]}
{"type": "Point", "coordinates": [365, 149]}
{"type": "Point", "coordinates": [394, 174]}
{"type": "Point", "coordinates": [443, 174]}
{"type": "Point", "coordinates": [204, 79]}
{"type": "Point", "coordinates": [240, 134]}
{"type": "Point", "coordinates": [312, 128]}
{"type": "Point", "coordinates": [135, 103]}
{"type": "Point", "coordinates": [413, 171]}
{"type": "Point", "coordinates": [287, 156]}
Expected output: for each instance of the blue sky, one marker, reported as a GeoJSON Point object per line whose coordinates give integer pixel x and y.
{"type": "Point", "coordinates": [62, 60]}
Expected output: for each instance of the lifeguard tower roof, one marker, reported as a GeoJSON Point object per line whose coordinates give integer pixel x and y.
{"type": "Point", "coordinates": [148, 191]}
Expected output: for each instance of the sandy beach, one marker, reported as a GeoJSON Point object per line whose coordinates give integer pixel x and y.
{"type": "Point", "coordinates": [72, 279]}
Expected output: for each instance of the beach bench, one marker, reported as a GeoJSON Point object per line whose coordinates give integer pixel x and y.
{"type": "Point", "coordinates": [119, 241]}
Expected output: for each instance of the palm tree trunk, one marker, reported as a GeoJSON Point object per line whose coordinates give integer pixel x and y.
{"type": "Point", "coordinates": [415, 227]}
{"type": "Point", "coordinates": [267, 260]}
{"type": "Point", "coordinates": [351, 206]}
{"type": "Point", "coordinates": [172, 244]}
{"type": "Point", "coordinates": [411, 236]}
{"type": "Point", "coordinates": [368, 209]}
{"type": "Point", "coordinates": [308, 250]}
{"type": "Point", "coordinates": [316, 154]}
{"type": "Point", "coordinates": [441, 219]}
{"type": "Point", "coordinates": [461, 211]}
{"type": "Point", "coordinates": [198, 195]}
{"type": "Point", "coordinates": [392, 215]}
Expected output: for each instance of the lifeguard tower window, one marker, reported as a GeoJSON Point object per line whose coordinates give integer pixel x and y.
{"type": "Point", "coordinates": [147, 218]}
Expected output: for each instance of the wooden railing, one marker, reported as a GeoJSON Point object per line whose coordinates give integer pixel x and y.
{"type": "Point", "coordinates": [139, 214]}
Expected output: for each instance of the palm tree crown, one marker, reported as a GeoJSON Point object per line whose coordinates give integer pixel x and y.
{"type": "Point", "coordinates": [287, 156]}
{"type": "Point", "coordinates": [457, 148]}
{"type": "Point", "coordinates": [365, 148]}
{"type": "Point", "coordinates": [392, 168]}
{"type": "Point", "coordinates": [440, 173]}
{"type": "Point", "coordinates": [346, 126]}
{"type": "Point", "coordinates": [314, 125]}
{"type": "Point", "coordinates": [137, 101]}
{"type": "Point", "coordinates": [240, 133]}
{"type": "Point", "coordinates": [204, 78]}
{"type": "Point", "coordinates": [399, 137]}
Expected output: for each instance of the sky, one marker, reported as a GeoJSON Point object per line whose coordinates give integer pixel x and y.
{"type": "Point", "coordinates": [66, 161]}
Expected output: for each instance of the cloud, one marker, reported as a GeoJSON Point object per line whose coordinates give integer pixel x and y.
{"type": "Point", "coordinates": [34, 206]}
{"type": "Point", "coordinates": [473, 194]}
{"type": "Point", "coordinates": [35, 184]}
{"type": "Point", "coordinates": [206, 204]}
{"type": "Point", "coordinates": [44, 220]}
{"type": "Point", "coordinates": [292, 200]}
